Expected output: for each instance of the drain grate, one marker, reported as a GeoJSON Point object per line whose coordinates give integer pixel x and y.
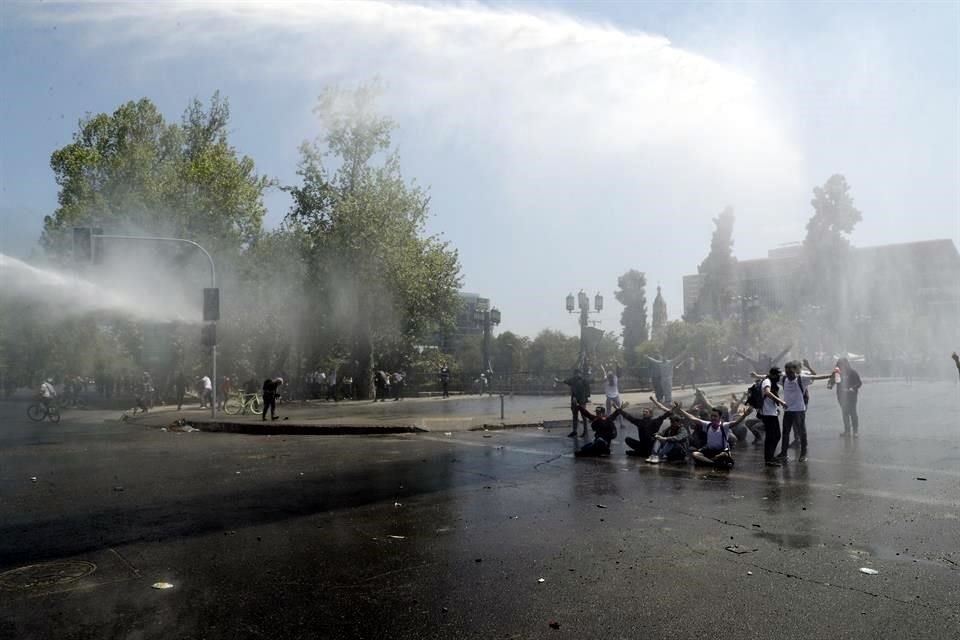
{"type": "Point", "coordinates": [48, 574]}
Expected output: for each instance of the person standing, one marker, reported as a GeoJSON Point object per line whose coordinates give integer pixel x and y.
{"type": "Point", "coordinates": [579, 395]}
{"type": "Point", "coordinates": [226, 388]}
{"type": "Point", "coordinates": [333, 389]}
{"type": "Point", "coordinates": [396, 384]}
{"type": "Point", "coordinates": [445, 379]}
{"type": "Point", "coordinates": [770, 416]}
{"type": "Point", "coordinates": [797, 397]}
{"type": "Point", "coordinates": [180, 386]}
{"type": "Point", "coordinates": [956, 361]}
{"type": "Point", "coordinates": [664, 373]}
{"type": "Point", "coordinates": [847, 382]}
{"type": "Point", "coordinates": [271, 391]}
{"type": "Point", "coordinates": [611, 388]}
{"type": "Point", "coordinates": [206, 391]}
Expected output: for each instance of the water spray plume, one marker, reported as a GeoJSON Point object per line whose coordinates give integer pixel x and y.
{"type": "Point", "coordinates": [72, 295]}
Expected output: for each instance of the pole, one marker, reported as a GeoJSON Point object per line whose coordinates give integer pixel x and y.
{"type": "Point", "coordinates": [486, 341]}
{"type": "Point", "coordinates": [213, 285]}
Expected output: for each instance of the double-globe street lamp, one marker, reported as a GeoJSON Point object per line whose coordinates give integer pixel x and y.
{"type": "Point", "coordinates": [582, 302]}
{"type": "Point", "coordinates": [487, 318]}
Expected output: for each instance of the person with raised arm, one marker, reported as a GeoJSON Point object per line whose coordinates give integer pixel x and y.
{"type": "Point", "coordinates": [663, 370]}
{"type": "Point", "coordinates": [716, 452]}
{"type": "Point", "coordinates": [604, 431]}
{"type": "Point", "coordinates": [763, 361]}
{"type": "Point", "coordinates": [647, 429]}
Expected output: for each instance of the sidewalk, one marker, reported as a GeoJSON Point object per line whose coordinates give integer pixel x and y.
{"type": "Point", "coordinates": [463, 413]}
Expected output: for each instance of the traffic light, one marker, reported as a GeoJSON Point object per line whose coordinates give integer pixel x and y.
{"type": "Point", "coordinates": [208, 335]}
{"type": "Point", "coordinates": [82, 244]}
{"type": "Point", "coordinates": [211, 305]}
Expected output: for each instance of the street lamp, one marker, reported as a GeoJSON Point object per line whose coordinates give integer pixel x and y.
{"type": "Point", "coordinates": [583, 303]}
{"type": "Point", "coordinates": [487, 318]}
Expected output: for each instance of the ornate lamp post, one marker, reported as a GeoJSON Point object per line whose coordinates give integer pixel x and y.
{"type": "Point", "coordinates": [582, 301]}
{"type": "Point", "coordinates": [487, 319]}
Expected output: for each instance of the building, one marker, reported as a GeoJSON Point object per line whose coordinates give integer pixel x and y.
{"type": "Point", "coordinates": [899, 298]}
{"type": "Point", "coordinates": [659, 316]}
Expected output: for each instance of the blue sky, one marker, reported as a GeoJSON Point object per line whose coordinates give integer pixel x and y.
{"type": "Point", "coordinates": [563, 142]}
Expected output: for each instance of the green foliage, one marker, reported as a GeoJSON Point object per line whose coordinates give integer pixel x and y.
{"type": "Point", "coordinates": [510, 353]}
{"type": "Point", "coordinates": [386, 284]}
{"type": "Point", "coordinates": [553, 351]}
{"type": "Point", "coordinates": [632, 295]}
{"type": "Point", "coordinates": [131, 170]}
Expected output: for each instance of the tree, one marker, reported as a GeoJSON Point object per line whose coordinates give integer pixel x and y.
{"type": "Point", "coordinates": [552, 352]}
{"type": "Point", "coordinates": [719, 271]}
{"type": "Point", "coordinates": [384, 282]}
{"type": "Point", "coordinates": [510, 353]}
{"type": "Point", "coordinates": [133, 170]}
{"type": "Point", "coordinates": [632, 295]}
{"type": "Point", "coordinates": [827, 247]}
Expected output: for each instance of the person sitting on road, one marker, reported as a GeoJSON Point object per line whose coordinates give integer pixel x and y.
{"type": "Point", "coordinates": [716, 451]}
{"type": "Point", "coordinates": [604, 431]}
{"type": "Point", "coordinates": [647, 428]}
{"type": "Point", "coordinates": [670, 444]}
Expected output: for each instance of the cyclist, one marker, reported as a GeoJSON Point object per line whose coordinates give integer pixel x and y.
{"type": "Point", "coordinates": [47, 393]}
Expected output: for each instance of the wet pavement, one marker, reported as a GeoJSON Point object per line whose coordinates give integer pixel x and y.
{"type": "Point", "coordinates": [481, 535]}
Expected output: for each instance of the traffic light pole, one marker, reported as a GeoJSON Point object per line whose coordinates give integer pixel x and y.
{"type": "Point", "coordinates": [213, 285]}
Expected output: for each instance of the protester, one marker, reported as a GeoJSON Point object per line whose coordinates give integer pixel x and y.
{"type": "Point", "coordinates": [579, 396]}
{"type": "Point", "coordinates": [611, 387]}
{"type": "Point", "coordinates": [206, 392]}
{"type": "Point", "coordinates": [180, 387]}
{"type": "Point", "coordinates": [956, 361]}
{"type": "Point", "coordinates": [671, 442]}
{"type": "Point", "coordinates": [333, 390]}
{"type": "Point", "coordinates": [144, 393]}
{"type": "Point", "coordinates": [271, 391]}
{"type": "Point", "coordinates": [716, 450]}
{"type": "Point", "coordinates": [663, 372]}
{"type": "Point", "coordinates": [48, 393]}
{"type": "Point", "coordinates": [444, 375]}
{"type": "Point", "coordinates": [797, 397]}
{"type": "Point", "coordinates": [769, 411]}
{"type": "Point", "coordinates": [396, 383]}
{"type": "Point", "coordinates": [604, 432]}
{"type": "Point", "coordinates": [226, 388]}
{"type": "Point", "coordinates": [847, 382]}
{"type": "Point", "coordinates": [647, 428]}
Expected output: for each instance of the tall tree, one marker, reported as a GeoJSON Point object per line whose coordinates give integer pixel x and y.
{"type": "Point", "coordinates": [132, 169]}
{"type": "Point", "coordinates": [385, 283]}
{"type": "Point", "coordinates": [827, 247]}
{"type": "Point", "coordinates": [719, 271]}
{"type": "Point", "coordinates": [632, 294]}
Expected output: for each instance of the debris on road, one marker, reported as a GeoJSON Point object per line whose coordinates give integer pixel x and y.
{"type": "Point", "coordinates": [478, 559]}
{"type": "Point", "coordinates": [924, 479]}
{"type": "Point", "coordinates": [869, 571]}
{"type": "Point", "coordinates": [739, 549]}
{"type": "Point", "coordinates": [601, 506]}
{"type": "Point", "coordinates": [398, 537]}
{"type": "Point", "coordinates": [396, 504]}
{"type": "Point", "coordinates": [749, 573]}
{"type": "Point", "coordinates": [118, 488]}
{"type": "Point", "coordinates": [554, 625]}
{"type": "Point", "coordinates": [33, 479]}
{"type": "Point", "coordinates": [541, 580]}
{"type": "Point", "coordinates": [162, 585]}
{"type": "Point", "coordinates": [448, 433]}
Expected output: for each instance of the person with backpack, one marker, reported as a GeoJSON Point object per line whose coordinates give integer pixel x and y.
{"type": "Point", "coordinates": [579, 395]}
{"type": "Point", "coordinates": [763, 396]}
{"type": "Point", "coordinates": [717, 451]}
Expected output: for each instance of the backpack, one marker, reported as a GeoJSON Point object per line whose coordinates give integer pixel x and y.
{"type": "Point", "coordinates": [803, 389]}
{"type": "Point", "coordinates": [755, 394]}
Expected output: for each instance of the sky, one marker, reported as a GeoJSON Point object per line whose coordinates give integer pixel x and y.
{"type": "Point", "coordinates": [563, 143]}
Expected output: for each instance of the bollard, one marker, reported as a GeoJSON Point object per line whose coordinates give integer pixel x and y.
{"type": "Point", "coordinates": [501, 406]}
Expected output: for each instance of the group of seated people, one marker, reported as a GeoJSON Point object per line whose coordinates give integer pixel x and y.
{"type": "Point", "coordinates": [704, 433]}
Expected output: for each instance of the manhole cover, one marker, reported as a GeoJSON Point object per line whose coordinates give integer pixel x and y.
{"type": "Point", "coordinates": [47, 574]}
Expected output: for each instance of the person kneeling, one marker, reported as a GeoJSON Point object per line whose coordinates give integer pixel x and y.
{"type": "Point", "coordinates": [716, 451]}
{"type": "Point", "coordinates": [604, 432]}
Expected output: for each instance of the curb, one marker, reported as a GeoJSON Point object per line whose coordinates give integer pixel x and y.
{"type": "Point", "coordinates": [286, 428]}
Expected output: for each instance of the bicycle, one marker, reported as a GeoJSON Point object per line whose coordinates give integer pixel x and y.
{"type": "Point", "coordinates": [38, 411]}
{"type": "Point", "coordinates": [241, 402]}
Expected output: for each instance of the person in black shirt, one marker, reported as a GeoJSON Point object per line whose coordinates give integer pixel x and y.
{"type": "Point", "coordinates": [647, 428]}
{"type": "Point", "coordinates": [271, 390]}
{"type": "Point", "coordinates": [579, 395]}
{"type": "Point", "coordinates": [848, 388]}
{"type": "Point", "coordinates": [604, 432]}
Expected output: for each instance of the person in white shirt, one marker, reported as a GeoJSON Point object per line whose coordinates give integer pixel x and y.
{"type": "Point", "coordinates": [795, 394]}
{"type": "Point", "coordinates": [47, 392]}
{"type": "Point", "coordinates": [716, 452]}
{"type": "Point", "coordinates": [611, 388]}
{"type": "Point", "coordinates": [770, 416]}
{"type": "Point", "coordinates": [206, 396]}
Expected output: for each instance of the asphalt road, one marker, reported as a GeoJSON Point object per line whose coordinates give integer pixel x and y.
{"type": "Point", "coordinates": [480, 535]}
